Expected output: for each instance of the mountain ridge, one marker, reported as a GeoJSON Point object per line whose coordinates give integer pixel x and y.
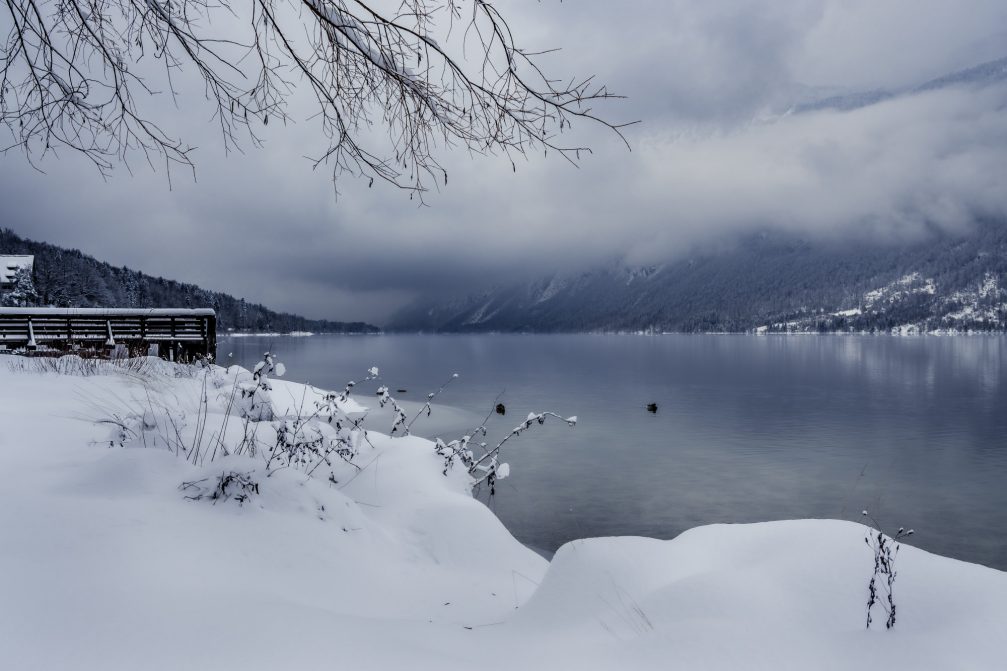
{"type": "Point", "coordinates": [768, 282]}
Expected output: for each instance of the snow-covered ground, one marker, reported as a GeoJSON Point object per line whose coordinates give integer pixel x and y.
{"type": "Point", "coordinates": [106, 564]}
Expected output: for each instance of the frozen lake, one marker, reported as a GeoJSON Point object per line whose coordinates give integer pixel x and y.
{"type": "Point", "coordinates": [747, 428]}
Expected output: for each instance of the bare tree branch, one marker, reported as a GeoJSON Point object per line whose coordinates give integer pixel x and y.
{"type": "Point", "coordinates": [70, 77]}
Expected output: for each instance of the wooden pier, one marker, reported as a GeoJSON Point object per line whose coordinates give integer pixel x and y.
{"type": "Point", "coordinates": [173, 334]}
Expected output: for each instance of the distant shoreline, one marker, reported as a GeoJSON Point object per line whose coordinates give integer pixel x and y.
{"type": "Point", "coordinates": [291, 334]}
{"type": "Point", "coordinates": [898, 334]}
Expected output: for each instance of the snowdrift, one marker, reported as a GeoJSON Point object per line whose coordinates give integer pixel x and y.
{"type": "Point", "coordinates": [110, 562]}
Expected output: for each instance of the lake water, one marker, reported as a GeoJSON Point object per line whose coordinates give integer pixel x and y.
{"type": "Point", "coordinates": [747, 428]}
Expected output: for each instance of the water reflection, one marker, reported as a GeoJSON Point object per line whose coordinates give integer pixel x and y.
{"type": "Point", "coordinates": [748, 428]}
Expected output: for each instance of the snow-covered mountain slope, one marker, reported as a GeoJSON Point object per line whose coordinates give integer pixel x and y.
{"type": "Point", "coordinates": [912, 304]}
{"type": "Point", "coordinates": [109, 564]}
{"type": "Point", "coordinates": [765, 282]}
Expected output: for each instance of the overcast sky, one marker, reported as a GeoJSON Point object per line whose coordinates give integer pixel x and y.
{"type": "Point", "coordinates": [716, 155]}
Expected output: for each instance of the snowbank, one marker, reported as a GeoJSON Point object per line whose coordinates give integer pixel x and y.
{"type": "Point", "coordinates": [107, 565]}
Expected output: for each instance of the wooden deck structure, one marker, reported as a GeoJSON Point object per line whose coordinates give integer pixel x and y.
{"type": "Point", "coordinates": [173, 334]}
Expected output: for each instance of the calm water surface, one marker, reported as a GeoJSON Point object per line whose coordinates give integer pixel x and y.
{"type": "Point", "coordinates": [747, 428]}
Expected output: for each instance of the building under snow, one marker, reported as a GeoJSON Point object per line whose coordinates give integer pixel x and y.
{"type": "Point", "coordinates": [10, 264]}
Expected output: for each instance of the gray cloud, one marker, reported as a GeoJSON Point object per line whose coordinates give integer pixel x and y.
{"type": "Point", "coordinates": [716, 155]}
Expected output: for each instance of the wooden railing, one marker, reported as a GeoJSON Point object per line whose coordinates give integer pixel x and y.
{"type": "Point", "coordinates": [169, 333]}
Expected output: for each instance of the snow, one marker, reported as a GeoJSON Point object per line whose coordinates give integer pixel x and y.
{"type": "Point", "coordinates": [979, 306]}
{"type": "Point", "coordinates": [109, 312]}
{"type": "Point", "coordinates": [9, 264]}
{"type": "Point", "coordinates": [291, 399]}
{"type": "Point", "coordinates": [906, 330]}
{"type": "Point", "coordinates": [480, 316]}
{"type": "Point", "coordinates": [899, 290]}
{"type": "Point", "coordinates": [555, 286]}
{"type": "Point", "coordinates": [109, 566]}
{"type": "Point", "coordinates": [292, 334]}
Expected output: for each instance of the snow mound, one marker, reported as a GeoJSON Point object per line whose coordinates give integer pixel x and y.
{"type": "Point", "coordinates": [775, 595]}
{"type": "Point", "coordinates": [116, 558]}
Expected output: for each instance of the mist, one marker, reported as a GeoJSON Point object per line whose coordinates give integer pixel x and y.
{"type": "Point", "coordinates": [719, 152]}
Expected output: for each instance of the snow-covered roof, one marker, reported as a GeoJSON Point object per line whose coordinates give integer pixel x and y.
{"type": "Point", "coordinates": [10, 263]}
{"type": "Point", "coordinates": [110, 312]}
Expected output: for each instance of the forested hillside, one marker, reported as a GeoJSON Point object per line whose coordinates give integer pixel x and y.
{"type": "Point", "coordinates": [69, 278]}
{"type": "Point", "coordinates": [771, 281]}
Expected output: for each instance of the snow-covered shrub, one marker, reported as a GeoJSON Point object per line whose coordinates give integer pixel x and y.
{"type": "Point", "coordinates": [458, 450]}
{"type": "Point", "coordinates": [228, 485]}
{"type": "Point", "coordinates": [880, 588]}
{"type": "Point", "coordinates": [208, 418]}
{"type": "Point", "coordinates": [307, 443]}
{"type": "Point", "coordinates": [126, 428]}
{"type": "Point", "coordinates": [487, 469]}
{"type": "Point", "coordinates": [235, 417]}
{"type": "Point", "coordinates": [255, 402]}
{"type": "Point", "coordinates": [157, 420]}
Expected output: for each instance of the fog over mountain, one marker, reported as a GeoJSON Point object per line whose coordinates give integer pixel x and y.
{"type": "Point", "coordinates": [768, 282]}
{"type": "Point", "coordinates": [853, 122]}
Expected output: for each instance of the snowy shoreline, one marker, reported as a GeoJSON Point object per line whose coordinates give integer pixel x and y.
{"type": "Point", "coordinates": [395, 565]}
{"type": "Point", "coordinates": [271, 334]}
{"type": "Point", "coordinates": [895, 333]}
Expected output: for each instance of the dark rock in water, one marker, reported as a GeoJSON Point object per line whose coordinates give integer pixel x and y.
{"type": "Point", "coordinates": [501, 410]}
{"type": "Point", "coordinates": [400, 391]}
{"type": "Point", "coordinates": [652, 407]}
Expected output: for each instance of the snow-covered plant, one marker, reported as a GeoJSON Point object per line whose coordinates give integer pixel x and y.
{"type": "Point", "coordinates": [458, 450]}
{"type": "Point", "coordinates": [228, 485]}
{"type": "Point", "coordinates": [265, 368]}
{"type": "Point", "coordinates": [427, 408]}
{"type": "Point", "coordinates": [487, 469]}
{"type": "Point", "coordinates": [156, 423]}
{"type": "Point", "coordinates": [401, 424]}
{"type": "Point", "coordinates": [160, 420]}
{"type": "Point", "coordinates": [255, 402]}
{"type": "Point", "coordinates": [399, 421]}
{"type": "Point", "coordinates": [126, 427]}
{"type": "Point", "coordinates": [372, 374]}
{"type": "Point", "coordinates": [306, 443]}
{"type": "Point", "coordinates": [329, 407]}
{"type": "Point", "coordinates": [880, 588]}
